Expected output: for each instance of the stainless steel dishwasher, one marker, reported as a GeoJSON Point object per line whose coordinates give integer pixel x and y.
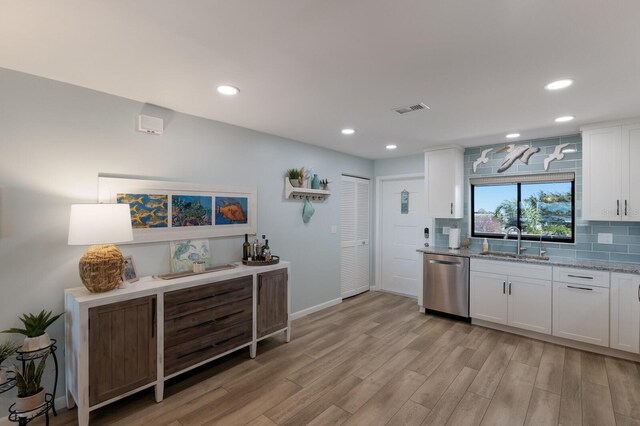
{"type": "Point", "coordinates": [446, 284]}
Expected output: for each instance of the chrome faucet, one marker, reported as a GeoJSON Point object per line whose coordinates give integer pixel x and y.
{"type": "Point", "coordinates": [506, 235]}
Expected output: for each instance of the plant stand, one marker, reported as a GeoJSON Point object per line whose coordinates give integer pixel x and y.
{"type": "Point", "coordinates": [9, 384]}
{"type": "Point", "coordinates": [24, 356]}
{"type": "Point", "coordinates": [22, 418]}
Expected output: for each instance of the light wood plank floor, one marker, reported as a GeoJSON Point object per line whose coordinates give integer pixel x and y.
{"type": "Point", "coordinates": [375, 360]}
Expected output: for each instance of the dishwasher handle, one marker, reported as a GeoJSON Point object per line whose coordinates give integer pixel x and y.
{"type": "Point", "coordinates": [444, 262]}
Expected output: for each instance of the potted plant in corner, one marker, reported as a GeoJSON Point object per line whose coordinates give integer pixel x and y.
{"type": "Point", "coordinates": [34, 330]}
{"type": "Point", "coordinates": [7, 349]}
{"type": "Point", "coordinates": [30, 394]}
{"type": "Point", "coordinates": [294, 177]}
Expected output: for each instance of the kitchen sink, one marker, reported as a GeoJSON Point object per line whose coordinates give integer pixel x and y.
{"type": "Point", "coordinates": [514, 256]}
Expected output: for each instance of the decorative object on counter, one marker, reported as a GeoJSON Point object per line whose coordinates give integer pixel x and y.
{"type": "Point", "coordinates": [294, 177]}
{"type": "Point", "coordinates": [404, 202]}
{"type": "Point", "coordinates": [272, 261]}
{"type": "Point", "coordinates": [521, 152]}
{"type": "Point", "coordinates": [466, 243]}
{"type": "Point", "coordinates": [556, 155]}
{"type": "Point", "coordinates": [315, 182]}
{"type": "Point", "coordinates": [185, 253]}
{"type": "Point", "coordinates": [170, 211]}
{"type": "Point", "coordinates": [307, 211]}
{"type": "Point", "coordinates": [483, 159]}
{"type": "Point", "coordinates": [35, 326]}
{"type": "Point", "coordinates": [30, 392]}
{"type": "Point", "coordinates": [324, 184]}
{"type": "Point", "coordinates": [100, 226]}
{"type": "Point", "coordinates": [454, 238]}
{"type": "Point", "coordinates": [7, 349]}
{"type": "Point", "coordinates": [129, 274]}
{"type": "Point", "coordinates": [199, 267]}
{"type": "Point", "coordinates": [173, 275]}
{"type": "Point", "coordinates": [485, 246]}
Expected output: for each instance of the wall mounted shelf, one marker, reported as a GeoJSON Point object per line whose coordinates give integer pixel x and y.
{"type": "Point", "coordinates": [293, 193]}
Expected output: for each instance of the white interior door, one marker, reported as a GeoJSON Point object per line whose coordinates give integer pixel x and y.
{"type": "Point", "coordinates": [354, 236]}
{"type": "Point", "coordinates": [401, 235]}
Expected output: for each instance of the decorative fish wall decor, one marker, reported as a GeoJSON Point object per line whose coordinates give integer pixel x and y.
{"type": "Point", "coordinates": [483, 159]}
{"type": "Point", "coordinates": [556, 155]}
{"type": "Point", "coordinates": [521, 152]}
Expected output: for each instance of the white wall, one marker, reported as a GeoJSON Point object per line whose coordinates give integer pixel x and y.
{"type": "Point", "coordinates": [56, 138]}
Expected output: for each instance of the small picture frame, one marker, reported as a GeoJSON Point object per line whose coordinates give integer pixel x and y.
{"type": "Point", "coordinates": [129, 273]}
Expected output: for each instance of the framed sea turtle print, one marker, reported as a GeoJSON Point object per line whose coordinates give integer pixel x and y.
{"type": "Point", "coordinates": [169, 211]}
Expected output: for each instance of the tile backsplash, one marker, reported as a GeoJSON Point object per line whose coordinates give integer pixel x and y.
{"type": "Point", "coordinates": [626, 235]}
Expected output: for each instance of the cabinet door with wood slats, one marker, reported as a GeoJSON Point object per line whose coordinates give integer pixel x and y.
{"type": "Point", "coordinates": [272, 303]}
{"type": "Point", "coordinates": [122, 348]}
{"type": "Point", "coordinates": [207, 320]}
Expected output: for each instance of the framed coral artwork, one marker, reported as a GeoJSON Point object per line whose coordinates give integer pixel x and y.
{"type": "Point", "coordinates": [168, 211]}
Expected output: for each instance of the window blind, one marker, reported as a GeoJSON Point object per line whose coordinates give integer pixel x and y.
{"type": "Point", "coordinates": [535, 178]}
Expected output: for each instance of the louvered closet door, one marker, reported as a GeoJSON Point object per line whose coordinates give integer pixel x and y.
{"type": "Point", "coordinates": [354, 233]}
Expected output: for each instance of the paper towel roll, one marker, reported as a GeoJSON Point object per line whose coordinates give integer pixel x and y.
{"type": "Point", "coordinates": [454, 238]}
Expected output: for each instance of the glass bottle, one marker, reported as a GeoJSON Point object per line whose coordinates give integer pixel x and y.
{"type": "Point", "coordinates": [246, 248]}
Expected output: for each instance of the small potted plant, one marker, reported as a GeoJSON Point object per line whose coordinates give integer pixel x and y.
{"type": "Point", "coordinates": [30, 394]}
{"type": "Point", "coordinates": [324, 184]}
{"type": "Point", "coordinates": [294, 177]}
{"type": "Point", "coordinates": [7, 349]}
{"type": "Point", "coordinates": [34, 330]}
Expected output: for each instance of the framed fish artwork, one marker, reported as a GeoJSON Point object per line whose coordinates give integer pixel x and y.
{"type": "Point", "coordinates": [172, 211]}
{"type": "Point", "coordinates": [186, 252]}
{"type": "Point", "coordinates": [231, 210]}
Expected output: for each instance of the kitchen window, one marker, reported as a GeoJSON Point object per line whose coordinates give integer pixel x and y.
{"type": "Point", "coordinates": [540, 205]}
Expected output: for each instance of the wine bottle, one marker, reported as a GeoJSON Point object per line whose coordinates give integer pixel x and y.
{"type": "Point", "coordinates": [246, 248]}
{"type": "Point", "coordinates": [266, 251]}
{"type": "Point", "coordinates": [264, 238]}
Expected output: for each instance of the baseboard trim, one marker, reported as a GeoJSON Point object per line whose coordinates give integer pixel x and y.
{"type": "Point", "coordinates": [559, 340]}
{"type": "Point", "coordinates": [397, 293]}
{"type": "Point", "coordinates": [316, 308]}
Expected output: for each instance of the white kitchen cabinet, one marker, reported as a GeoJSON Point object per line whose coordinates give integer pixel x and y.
{"type": "Point", "coordinates": [625, 312]}
{"type": "Point", "coordinates": [444, 176]}
{"type": "Point", "coordinates": [610, 190]}
{"type": "Point", "coordinates": [511, 294]}
{"type": "Point", "coordinates": [530, 304]}
{"type": "Point", "coordinates": [488, 298]}
{"type": "Point", "coordinates": [581, 312]}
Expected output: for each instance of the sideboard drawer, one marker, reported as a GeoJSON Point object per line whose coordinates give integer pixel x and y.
{"type": "Point", "coordinates": [199, 298]}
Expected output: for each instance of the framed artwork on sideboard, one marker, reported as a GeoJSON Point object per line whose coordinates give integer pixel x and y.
{"type": "Point", "coordinates": [169, 211]}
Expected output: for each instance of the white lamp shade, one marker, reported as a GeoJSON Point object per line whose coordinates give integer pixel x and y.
{"type": "Point", "coordinates": [99, 224]}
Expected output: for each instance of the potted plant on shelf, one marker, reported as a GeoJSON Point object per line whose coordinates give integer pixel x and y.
{"type": "Point", "coordinates": [294, 177]}
{"type": "Point", "coordinates": [324, 184]}
{"type": "Point", "coordinates": [30, 394]}
{"type": "Point", "coordinates": [34, 330]}
{"type": "Point", "coordinates": [7, 349]}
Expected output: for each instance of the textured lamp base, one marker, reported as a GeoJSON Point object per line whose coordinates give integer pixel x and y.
{"type": "Point", "coordinates": [101, 268]}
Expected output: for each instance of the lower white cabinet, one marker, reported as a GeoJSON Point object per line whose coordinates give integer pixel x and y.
{"type": "Point", "coordinates": [521, 302]}
{"type": "Point", "coordinates": [625, 312]}
{"type": "Point", "coordinates": [581, 312]}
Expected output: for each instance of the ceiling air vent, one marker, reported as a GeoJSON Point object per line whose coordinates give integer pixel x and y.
{"type": "Point", "coordinates": [410, 108]}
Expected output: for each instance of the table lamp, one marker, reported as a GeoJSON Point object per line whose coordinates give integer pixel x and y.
{"type": "Point", "coordinates": [100, 225]}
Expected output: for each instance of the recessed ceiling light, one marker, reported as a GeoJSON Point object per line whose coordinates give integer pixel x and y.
{"type": "Point", "coordinates": [228, 90]}
{"type": "Point", "coordinates": [564, 118]}
{"type": "Point", "coordinates": [559, 84]}
{"type": "Point", "coordinates": [348, 131]}
{"type": "Point", "coordinates": [391, 146]}
{"type": "Point", "coordinates": [513, 135]}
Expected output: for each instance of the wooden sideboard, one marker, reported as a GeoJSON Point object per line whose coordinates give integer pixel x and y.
{"type": "Point", "coordinates": [120, 342]}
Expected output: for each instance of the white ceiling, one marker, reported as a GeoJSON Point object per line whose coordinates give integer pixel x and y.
{"type": "Point", "coordinates": [307, 68]}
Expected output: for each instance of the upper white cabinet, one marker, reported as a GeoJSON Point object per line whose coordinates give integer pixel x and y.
{"type": "Point", "coordinates": [609, 156]}
{"type": "Point", "coordinates": [625, 312]}
{"type": "Point", "coordinates": [444, 175]}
